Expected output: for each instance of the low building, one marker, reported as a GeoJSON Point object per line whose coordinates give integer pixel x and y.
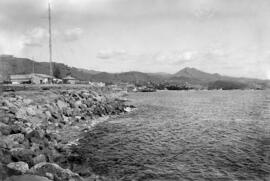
{"type": "Point", "coordinates": [41, 78]}
{"type": "Point", "coordinates": [31, 79]}
{"type": "Point", "coordinates": [70, 80]}
{"type": "Point", "coordinates": [97, 84]}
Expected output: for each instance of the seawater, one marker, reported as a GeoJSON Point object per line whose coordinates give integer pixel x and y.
{"type": "Point", "coordinates": [185, 135]}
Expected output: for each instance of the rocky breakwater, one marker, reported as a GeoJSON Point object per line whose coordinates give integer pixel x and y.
{"type": "Point", "coordinates": [38, 130]}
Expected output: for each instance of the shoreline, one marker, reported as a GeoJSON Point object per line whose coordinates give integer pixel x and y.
{"type": "Point", "coordinates": [38, 128]}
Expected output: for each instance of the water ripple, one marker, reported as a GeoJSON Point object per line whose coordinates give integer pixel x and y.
{"type": "Point", "coordinates": [203, 135]}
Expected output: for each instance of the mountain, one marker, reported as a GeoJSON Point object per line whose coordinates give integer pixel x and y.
{"type": "Point", "coordinates": [89, 71]}
{"type": "Point", "coordinates": [216, 81]}
{"type": "Point", "coordinates": [190, 77]}
{"type": "Point", "coordinates": [197, 74]}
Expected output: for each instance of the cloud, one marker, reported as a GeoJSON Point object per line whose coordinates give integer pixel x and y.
{"type": "Point", "coordinates": [72, 34]}
{"type": "Point", "coordinates": [111, 54]}
{"type": "Point", "coordinates": [204, 12]}
{"type": "Point", "coordinates": [35, 37]}
{"type": "Point", "coordinates": [10, 44]}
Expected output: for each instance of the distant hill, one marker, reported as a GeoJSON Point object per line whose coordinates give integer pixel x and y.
{"type": "Point", "coordinates": [197, 74]}
{"type": "Point", "coordinates": [89, 71]}
{"type": "Point", "coordinates": [187, 76]}
{"type": "Point", "coordinates": [133, 77]}
{"type": "Point", "coordinates": [13, 65]}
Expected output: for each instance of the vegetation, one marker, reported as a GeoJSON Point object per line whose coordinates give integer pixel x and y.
{"type": "Point", "coordinates": [187, 78]}
{"type": "Point", "coordinates": [56, 72]}
{"type": "Point", "coordinates": [227, 85]}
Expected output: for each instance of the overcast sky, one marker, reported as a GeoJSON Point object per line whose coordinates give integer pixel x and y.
{"type": "Point", "coordinates": [230, 37]}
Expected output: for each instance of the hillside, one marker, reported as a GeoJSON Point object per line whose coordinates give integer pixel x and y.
{"type": "Point", "coordinates": [12, 65]}
{"type": "Point", "coordinates": [187, 76]}
{"type": "Point", "coordinates": [197, 74]}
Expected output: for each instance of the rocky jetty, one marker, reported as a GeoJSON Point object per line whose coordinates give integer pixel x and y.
{"type": "Point", "coordinates": [39, 128]}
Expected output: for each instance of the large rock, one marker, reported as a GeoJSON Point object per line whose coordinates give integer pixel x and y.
{"type": "Point", "coordinates": [21, 154]}
{"type": "Point", "coordinates": [61, 104]}
{"type": "Point", "coordinates": [27, 178]}
{"type": "Point", "coordinates": [17, 168]}
{"type": "Point", "coordinates": [4, 129]}
{"type": "Point", "coordinates": [78, 103]}
{"type": "Point", "coordinates": [16, 137]}
{"type": "Point", "coordinates": [38, 159]}
{"type": "Point", "coordinates": [37, 133]}
{"type": "Point", "coordinates": [5, 156]}
{"type": "Point", "coordinates": [11, 141]}
{"type": "Point", "coordinates": [59, 174]}
{"type": "Point", "coordinates": [31, 110]}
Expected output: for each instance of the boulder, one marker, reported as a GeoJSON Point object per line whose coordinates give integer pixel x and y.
{"type": "Point", "coordinates": [11, 141]}
{"type": "Point", "coordinates": [16, 137]}
{"type": "Point", "coordinates": [5, 156]}
{"type": "Point", "coordinates": [78, 103]}
{"type": "Point", "coordinates": [31, 111]}
{"type": "Point", "coordinates": [59, 174]}
{"type": "Point", "coordinates": [61, 104]}
{"type": "Point", "coordinates": [27, 101]}
{"type": "Point", "coordinates": [3, 172]}
{"type": "Point", "coordinates": [4, 129]}
{"type": "Point", "coordinates": [17, 168]}
{"type": "Point", "coordinates": [37, 133]}
{"type": "Point", "coordinates": [22, 154]}
{"type": "Point", "coordinates": [38, 159]}
{"type": "Point", "coordinates": [5, 118]}
{"type": "Point", "coordinates": [27, 178]}
{"type": "Point", "coordinates": [21, 113]}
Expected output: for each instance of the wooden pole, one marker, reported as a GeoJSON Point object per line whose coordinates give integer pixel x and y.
{"type": "Point", "coordinates": [50, 36]}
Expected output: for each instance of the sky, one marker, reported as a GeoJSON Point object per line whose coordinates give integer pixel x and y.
{"type": "Point", "coordinates": [230, 37]}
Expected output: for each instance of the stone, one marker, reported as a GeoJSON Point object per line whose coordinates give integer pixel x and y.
{"type": "Point", "coordinates": [5, 119]}
{"type": "Point", "coordinates": [17, 128]}
{"type": "Point", "coordinates": [48, 114]}
{"type": "Point", "coordinates": [38, 159]}
{"type": "Point", "coordinates": [27, 101]}
{"type": "Point", "coordinates": [5, 156]}
{"type": "Point", "coordinates": [59, 174]}
{"type": "Point", "coordinates": [61, 104]}
{"type": "Point", "coordinates": [49, 176]}
{"type": "Point", "coordinates": [27, 178]}
{"type": "Point", "coordinates": [22, 154]}
{"type": "Point", "coordinates": [21, 113]}
{"type": "Point", "coordinates": [78, 103]}
{"type": "Point", "coordinates": [11, 141]}
{"type": "Point", "coordinates": [3, 172]}
{"type": "Point", "coordinates": [18, 167]}
{"type": "Point", "coordinates": [31, 111]}
{"type": "Point", "coordinates": [37, 133]}
{"type": "Point", "coordinates": [16, 137]}
{"type": "Point", "coordinates": [4, 129]}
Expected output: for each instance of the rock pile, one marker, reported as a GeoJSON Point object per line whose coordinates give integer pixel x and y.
{"type": "Point", "coordinates": [38, 128]}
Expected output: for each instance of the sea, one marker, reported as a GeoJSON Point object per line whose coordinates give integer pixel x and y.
{"type": "Point", "coordinates": [185, 135]}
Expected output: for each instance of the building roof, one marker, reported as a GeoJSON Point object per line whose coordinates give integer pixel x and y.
{"type": "Point", "coordinates": [69, 78]}
{"type": "Point", "coordinates": [28, 76]}
{"type": "Point", "coordinates": [20, 76]}
{"type": "Point", "coordinates": [42, 75]}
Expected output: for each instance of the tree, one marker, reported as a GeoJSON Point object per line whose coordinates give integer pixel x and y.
{"type": "Point", "coordinates": [1, 84]}
{"type": "Point", "coordinates": [57, 72]}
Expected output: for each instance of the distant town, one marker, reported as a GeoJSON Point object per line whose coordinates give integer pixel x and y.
{"type": "Point", "coordinates": [22, 71]}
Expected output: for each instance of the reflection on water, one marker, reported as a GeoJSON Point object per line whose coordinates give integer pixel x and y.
{"type": "Point", "coordinates": [185, 135]}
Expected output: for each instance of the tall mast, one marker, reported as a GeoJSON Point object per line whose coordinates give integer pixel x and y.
{"type": "Point", "coordinates": [50, 36]}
